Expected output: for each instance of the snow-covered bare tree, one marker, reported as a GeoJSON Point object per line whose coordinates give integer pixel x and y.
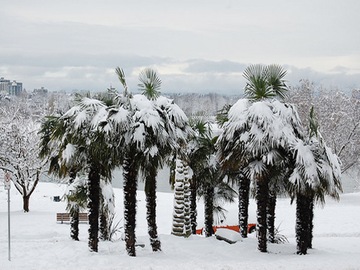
{"type": "Point", "coordinates": [19, 147]}
{"type": "Point", "coordinates": [338, 115]}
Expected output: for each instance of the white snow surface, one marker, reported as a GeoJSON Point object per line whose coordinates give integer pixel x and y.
{"type": "Point", "coordinates": [38, 242]}
{"type": "Point", "coordinates": [228, 234]}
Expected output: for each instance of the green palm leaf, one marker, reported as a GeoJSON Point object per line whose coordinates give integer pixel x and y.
{"type": "Point", "coordinates": [257, 86]}
{"type": "Point", "coordinates": [121, 75]}
{"type": "Point", "coordinates": [275, 75]}
{"type": "Point", "coordinates": [264, 82]}
{"type": "Point", "coordinates": [150, 83]}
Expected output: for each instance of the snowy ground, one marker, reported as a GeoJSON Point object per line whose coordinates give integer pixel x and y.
{"type": "Point", "coordinates": [38, 242]}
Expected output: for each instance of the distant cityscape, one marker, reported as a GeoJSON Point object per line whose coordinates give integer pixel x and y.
{"type": "Point", "coordinates": [14, 88]}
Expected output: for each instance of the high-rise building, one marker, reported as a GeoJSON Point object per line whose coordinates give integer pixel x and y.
{"type": "Point", "coordinates": [11, 88]}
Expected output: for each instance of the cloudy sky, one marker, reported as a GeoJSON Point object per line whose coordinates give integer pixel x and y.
{"type": "Point", "coordinates": [196, 46]}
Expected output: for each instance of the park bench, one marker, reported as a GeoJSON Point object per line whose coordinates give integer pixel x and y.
{"type": "Point", "coordinates": [65, 217]}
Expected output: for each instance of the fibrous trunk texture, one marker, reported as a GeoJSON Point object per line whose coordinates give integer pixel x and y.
{"type": "Point", "coordinates": [150, 192]}
{"type": "Point", "coordinates": [271, 217]}
{"type": "Point", "coordinates": [74, 224]}
{"type": "Point", "coordinates": [303, 203]}
{"type": "Point", "coordinates": [104, 227]}
{"type": "Point", "coordinates": [193, 205]}
{"type": "Point", "coordinates": [244, 195]}
{"type": "Point", "coordinates": [130, 187]}
{"type": "Point", "coordinates": [209, 209]}
{"type": "Point", "coordinates": [93, 206]}
{"type": "Point", "coordinates": [261, 199]}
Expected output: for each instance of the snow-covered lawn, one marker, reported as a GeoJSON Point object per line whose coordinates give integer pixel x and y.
{"type": "Point", "coordinates": [38, 242]}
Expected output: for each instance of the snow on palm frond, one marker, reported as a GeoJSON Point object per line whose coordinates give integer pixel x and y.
{"type": "Point", "coordinates": [330, 171]}
{"type": "Point", "coordinates": [305, 174]}
{"type": "Point", "coordinates": [84, 112]}
{"type": "Point", "coordinates": [99, 117]}
{"type": "Point", "coordinates": [175, 120]}
{"type": "Point", "coordinates": [119, 115]}
{"type": "Point", "coordinates": [254, 168]}
{"type": "Point", "coordinates": [71, 112]}
{"type": "Point", "coordinates": [80, 118]}
{"type": "Point", "coordinates": [176, 114]}
{"type": "Point", "coordinates": [90, 104]}
{"type": "Point", "coordinates": [261, 113]}
{"type": "Point", "coordinates": [68, 153]}
{"type": "Point", "coordinates": [263, 130]}
{"type": "Point", "coordinates": [334, 162]}
{"type": "Point", "coordinates": [146, 113]}
{"type": "Point", "coordinates": [272, 157]}
{"type": "Point", "coordinates": [237, 118]}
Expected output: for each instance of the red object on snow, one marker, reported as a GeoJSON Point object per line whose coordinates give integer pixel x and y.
{"type": "Point", "coordinates": [251, 228]}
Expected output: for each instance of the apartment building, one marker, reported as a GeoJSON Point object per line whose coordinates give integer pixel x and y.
{"type": "Point", "coordinates": [10, 87]}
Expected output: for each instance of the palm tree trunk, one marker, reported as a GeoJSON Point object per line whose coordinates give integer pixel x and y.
{"type": "Point", "coordinates": [244, 196]}
{"type": "Point", "coordinates": [209, 209]}
{"type": "Point", "coordinates": [271, 205]}
{"type": "Point", "coordinates": [261, 199]}
{"type": "Point", "coordinates": [74, 224]}
{"type": "Point", "coordinates": [187, 201]}
{"type": "Point", "coordinates": [93, 205]}
{"type": "Point", "coordinates": [311, 220]}
{"type": "Point", "coordinates": [104, 229]}
{"type": "Point", "coordinates": [302, 223]}
{"type": "Point", "coordinates": [130, 187]}
{"type": "Point", "coordinates": [150, 192]}
{"type": "Point", "coordinates": [178, 224]}
{"type": "Point", "coordinates": [193, 210]}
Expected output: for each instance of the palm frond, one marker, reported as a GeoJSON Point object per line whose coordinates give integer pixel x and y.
{"type": "Point", "coordinates": [264, 82]}
{"type": "Point", "coordinates": [222, 115]}
{"type": "Point", "coordinates": [275, 76]}
{"type": "Point", "coordinates": [121, 76]}
{"type": "Point", "coordinates": [257, 86]}
{"type": "Point", "coordinates": [150, 83]}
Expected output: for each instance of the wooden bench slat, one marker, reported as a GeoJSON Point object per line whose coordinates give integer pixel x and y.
{"type": "Point", "coordinates": [66, 217]}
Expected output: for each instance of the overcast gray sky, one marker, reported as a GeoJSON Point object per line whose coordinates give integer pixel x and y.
{"type": "Point", "coordinates": [196, 46]}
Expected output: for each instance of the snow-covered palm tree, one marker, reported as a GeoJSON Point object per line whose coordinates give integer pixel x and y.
{"type": "Point", "coordinates": [144, 130]}
{"type": "Point", "coordinates": [159, 147]}
{"type": "Point", "coordinates": [237, 175]}
{"type": "Point", "coordinates": [317, 174]}
{"type": "Point", "coordinates": [208, 178]}
{"type": "Point", "coordinates": [258, 133]}
{"type": "Point", "coordinates": [76, 197]}
{"type": "Point", "coordinates": [73, 142]}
